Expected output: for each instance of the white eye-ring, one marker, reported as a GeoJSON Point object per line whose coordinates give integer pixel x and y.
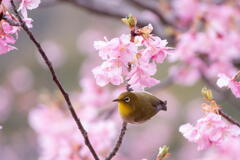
{"type": "Point", "coordinates": [127, 99]}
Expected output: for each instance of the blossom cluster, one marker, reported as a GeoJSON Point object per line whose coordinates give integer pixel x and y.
{"type": "Point", "coordinates": [7, 38]}
{"type": "Point", "coordinates": [210, 130]}
{"type": "Point", "coordinates": [61, 139]}
{"type": "Point", "coordinates": [8, 33]}
{"type": "Point", "coordinates": [211, 44]}
{"type": "Point", "coordinates": [213, 131]}
{"type": "Point", "coordinates": [132, 61]}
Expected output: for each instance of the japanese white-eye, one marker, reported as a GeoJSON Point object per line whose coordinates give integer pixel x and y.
{"type": "Point", "coordinates": [137, 107]}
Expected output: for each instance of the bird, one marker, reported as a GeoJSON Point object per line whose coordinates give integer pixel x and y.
{"type": "Point", "coordinates": [138, 107]}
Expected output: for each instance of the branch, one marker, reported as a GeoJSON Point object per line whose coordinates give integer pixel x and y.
{"type": "Point", "coordinates": [119, 142]}
{"type": "Point", "coordinates": [98, 8]}
{"type": "Point", "coordinates": [230, 119]}
{"type": "Point", "coordinates": [223, 95]}
{"type": "Point", "coordinates": [59, 85]}
{"type": "Point", "coordinates": [147, 5]}
{"type": "Point", "coordinates": [10, 21]}
{"type": "Point", "coordinates": [117, 12]}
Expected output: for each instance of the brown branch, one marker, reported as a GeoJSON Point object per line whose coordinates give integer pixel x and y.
{"type": "Point", "coordinates": [97, 8]}
{"type": "Point", "coordinates": [57, 82]}
{"type": "Point", "coordinates": [117, 12]}
{"type": "Point", "coordinates": [223, 95]}
{"type": "Point", "coordinates": [147, 5]}
{"type": "Point", "coordinates": [119, 142]}
{"type": "Point", "coordinates": [10, 21]}
{"type": "Point", "coordinates": [229, 118]}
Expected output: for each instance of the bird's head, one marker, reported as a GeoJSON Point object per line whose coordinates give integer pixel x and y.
{"type": "Point", "coordinates": [128, 98]}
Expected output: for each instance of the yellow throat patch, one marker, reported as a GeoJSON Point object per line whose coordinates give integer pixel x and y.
{"type": "Point", "coordinates": [124, 109]}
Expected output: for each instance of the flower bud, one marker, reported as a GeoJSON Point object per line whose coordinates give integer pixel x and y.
{"type": "Point", "coordinates": [130, 20]}
{"type": "Point", "coordinates": [163, 152]}
{"type": "Point", "coordinates": [207, 93]}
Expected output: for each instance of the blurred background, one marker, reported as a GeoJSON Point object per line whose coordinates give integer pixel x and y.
{"type": "Point", "coordinates": [67, 32]}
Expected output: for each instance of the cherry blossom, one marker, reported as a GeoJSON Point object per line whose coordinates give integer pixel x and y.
{"type": "Point", "coordinates": [60, 138]}
{"type": "Point", "coordinates": [109, 71]}
{"type": "Point", "coordinates": [7, 33]}
{"type": "Point", "coordinates": [139, 77]}
{"type": "Point", "coordinates": [133, 62]}
{"type": "Point", "coordinates": [209, 130]}
{"type": "Point", "coordinates": [235, 88]}
{"type": "Point", "coordinates": [232, 83]}
{"type": "Point", "coordinates": [185, 10]}
{"type": "Point", "coordinates": [119, 48]}
{"type": "Point", "coordinates": [156, 49]}
{"type": "Point", "coordinates": [28, 4]}
{"type": "Point", "coordinates": [214, 41]}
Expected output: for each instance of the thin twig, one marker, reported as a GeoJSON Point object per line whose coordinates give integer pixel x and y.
{"type": "Point", "coordinates": [97, 8]}
{"type": "Point", "coordinates": [146, 5]}
{"type": "Point", "coordinates": [223, 95]}
{"type": "Point", "coordinates": [59, 85]}
{"type": "Point", "coordinates": [117, 12]}
{"type": "Point", "coordinates": [119, 142]}
{"type": "Point", "coordinates": [11, 21]}
{"type": "Point", "coordinates": [229, 118]}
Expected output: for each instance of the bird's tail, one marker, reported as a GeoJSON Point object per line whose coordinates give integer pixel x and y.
{"type": "Point", "coordinates": [164, 105]}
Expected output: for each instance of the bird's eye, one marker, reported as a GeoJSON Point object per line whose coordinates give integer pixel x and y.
{"type": "Point", "coordinates": [127, 99]}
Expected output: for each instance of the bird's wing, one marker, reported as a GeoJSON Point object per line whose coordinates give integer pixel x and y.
{"type": "Point", "coordinates": [159, 104]}
{"type": "Point", "coordinates": [155, 102]}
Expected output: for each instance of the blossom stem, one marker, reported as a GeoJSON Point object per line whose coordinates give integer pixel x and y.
{"type": "Point", "coordinates": [57, 82]}
{"type": "Point", "coordinates": [119, 142]}
{"type": "Point", "coordinates": [229, 118]}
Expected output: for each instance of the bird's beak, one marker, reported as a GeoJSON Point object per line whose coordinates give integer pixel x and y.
{"type": "Point", "coordinates": [116, 100]}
